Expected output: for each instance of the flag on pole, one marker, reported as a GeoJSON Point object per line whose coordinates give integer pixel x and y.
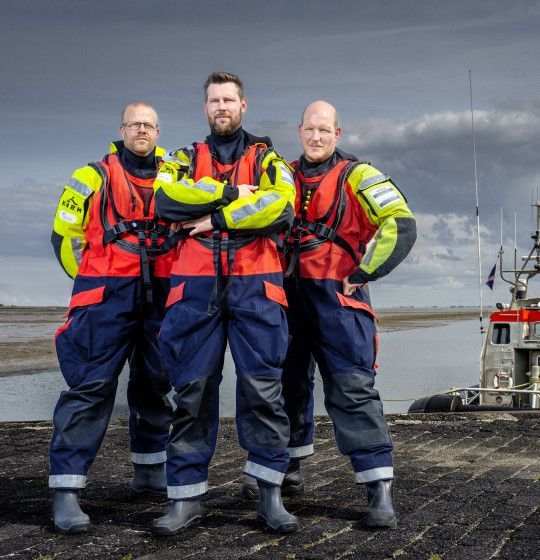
{"type": "Point", "coordinates": [491, 277]}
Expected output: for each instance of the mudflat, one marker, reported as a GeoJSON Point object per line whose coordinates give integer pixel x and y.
{"type": "Point", "coordinates": [27, 339]}
{"type": "Point", "coordinates": [27, 333]}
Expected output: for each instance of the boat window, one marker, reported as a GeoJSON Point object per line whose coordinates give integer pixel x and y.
{"type": "Point", "coordinates": [537, 329]}
{"type": "Point", "coordinates": [501, 333]}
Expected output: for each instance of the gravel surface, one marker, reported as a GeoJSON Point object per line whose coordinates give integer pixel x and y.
{"type": "Point", "coordinates": [467, 487]}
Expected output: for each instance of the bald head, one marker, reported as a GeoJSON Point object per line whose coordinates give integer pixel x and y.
{"type": "Point", "coordinates": [139, 128]}
{"type": "Point", "coordinates": [321, 106]}
{"type": "Point", "coordinates": [128, 109]}
{"type": "Point", "coordinates": [319, 131]}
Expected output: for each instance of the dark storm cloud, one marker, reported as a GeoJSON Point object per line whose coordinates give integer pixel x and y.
{"type": "Point", "coordinates": [396, 71]}
{"type": "Point", "coordinates": [432, 157]}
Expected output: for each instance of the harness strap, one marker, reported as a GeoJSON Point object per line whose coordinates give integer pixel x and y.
{"type": "Point", "coordinates": [295, 252]}
{"type": "Point", "coordinates": [145, 268]}
{"type": "Point", "coordinates": [222, 284]}
{"type": "Point", "coordinates": [172, 240]}
{"type": "Point", "coordinates": [330, 234]}
{"type": "Point", "coordinates": [215, 299]}
{"type": "Point", "coordinates": [134, 226]}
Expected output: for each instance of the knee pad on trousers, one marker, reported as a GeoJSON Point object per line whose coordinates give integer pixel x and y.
{"type": "Point", "coordinates": [261, 419]}
{"type": "Point", "coordinates": [196, 415]}
{"type": "Point", "coordinates": [356, 411]}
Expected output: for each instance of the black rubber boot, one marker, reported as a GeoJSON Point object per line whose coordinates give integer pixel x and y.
{"type": "Point", "coordinates": [249, 489]}
{"type": "Point", "coordinates": [380, 505]}
{"type": "Point", "coordinates": [181, 515]}
{"type": "Point", "coordinates": [68, 516]}
{"type": "Point", "coordinates": [149, 478]}
{"type": "Point", "coordinates": [293, 483]}
{"type": "Point", "coordinates": [271, 510]}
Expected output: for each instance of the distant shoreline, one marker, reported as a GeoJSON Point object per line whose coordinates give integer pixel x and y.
{"type": "Point", "coordinates": [35, 353]}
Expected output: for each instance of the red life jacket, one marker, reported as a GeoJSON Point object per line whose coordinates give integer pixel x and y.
{"type": "Point", "coordinates": [121, 237]}
{"type": "Point", "coordinates": [330, 230]}
{"type": "Point", "coordinates": [245, 254]}
{"type": "Point", "coordinates": [243, 171]}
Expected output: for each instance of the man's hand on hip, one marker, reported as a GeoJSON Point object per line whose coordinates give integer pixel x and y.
{"type": "Point", "coordinates": [349, 288]}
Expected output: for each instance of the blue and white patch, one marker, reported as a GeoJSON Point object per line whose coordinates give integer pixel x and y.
{"type": "Point", "coordinates": [67, 217]}
{"type": "Point", "coordinates": [384, 195]}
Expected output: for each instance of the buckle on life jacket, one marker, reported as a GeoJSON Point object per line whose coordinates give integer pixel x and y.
{"type": "Point", "coordinates": [321, 230]}
{"type": "Point", "coordinates": [133, 226]}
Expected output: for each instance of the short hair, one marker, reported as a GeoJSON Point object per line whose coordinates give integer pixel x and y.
{"type": "Point", "coordinates": [336, 116]}
{"type": "Point", "coordinates": [224, 78]}
{"type": "Point", "coordinates": [135, 104]}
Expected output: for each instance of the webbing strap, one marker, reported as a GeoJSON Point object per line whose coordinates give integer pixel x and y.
{"type": "Point", "coordinates": [173, 239]}
{"type": "Point", "coordinates": [295, 252]}
{"type": "Point", "coordinates": [149, 227]}
{"type": "Point", "coordinates": [222, 284]}
{"type": "Point", "coordinates": [329, 234]}
{"type": "Point", "coordinates": [323, 232]}
{"type": "Point", "coordinates": [145, 268]}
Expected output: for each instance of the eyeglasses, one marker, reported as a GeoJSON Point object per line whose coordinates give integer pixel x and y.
{"type": "Point", "coordinates": [136, 125]}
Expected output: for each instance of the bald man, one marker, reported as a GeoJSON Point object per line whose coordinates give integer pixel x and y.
{"type": "Point", "coordinates": [106, 236]}
{"type": "Point", "coordinates": [342, 204]}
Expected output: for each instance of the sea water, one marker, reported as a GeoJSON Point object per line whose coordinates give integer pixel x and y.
{"type": "Point", "coordinates": [411, 364]}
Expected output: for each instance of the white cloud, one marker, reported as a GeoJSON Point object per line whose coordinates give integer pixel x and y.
{"type": "Point", "coordinates": [442, 268]}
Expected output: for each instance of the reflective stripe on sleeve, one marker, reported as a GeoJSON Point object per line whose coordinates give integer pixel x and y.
{"type": "Point", "coordinates": [286, 176]}
{"type": "Point", "coordinates": [370, 181]}
{"type": "Point", "coordinates": [200, 185]}
{"type": "Point", "coordinates": [77, 247]}
{"type": "Point", "coordinates": [79, 187]}
{"type": "Point", "coordinates": [249, 209]}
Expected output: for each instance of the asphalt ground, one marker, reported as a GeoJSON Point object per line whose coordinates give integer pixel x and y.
{"type": "Point", "coordinates": [467, 487]}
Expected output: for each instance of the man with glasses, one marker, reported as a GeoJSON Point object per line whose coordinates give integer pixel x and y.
{"type": "Point", "coordinates": [106, 236]}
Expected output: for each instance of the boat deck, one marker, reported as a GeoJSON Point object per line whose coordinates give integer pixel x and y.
{"type": "Point", "coordinates": [467, 487]}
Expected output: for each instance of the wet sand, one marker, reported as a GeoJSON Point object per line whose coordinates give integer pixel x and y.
{"type": "Point", "coordinates": [27, 333]}
{"type": "Point", "coordinates": [27, 339]}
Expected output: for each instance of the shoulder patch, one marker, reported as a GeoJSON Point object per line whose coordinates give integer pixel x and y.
{"type": "Point", "coordinates": [384, 195]}
{"type": "Point", "coordinates": [67, 217]}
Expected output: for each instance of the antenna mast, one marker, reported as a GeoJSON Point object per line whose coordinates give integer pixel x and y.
{"type": "Point", "coordinates": [477, 211]}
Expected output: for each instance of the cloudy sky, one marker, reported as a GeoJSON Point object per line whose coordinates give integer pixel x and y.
{"type": "Point", "coordinates": [396, 70]}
